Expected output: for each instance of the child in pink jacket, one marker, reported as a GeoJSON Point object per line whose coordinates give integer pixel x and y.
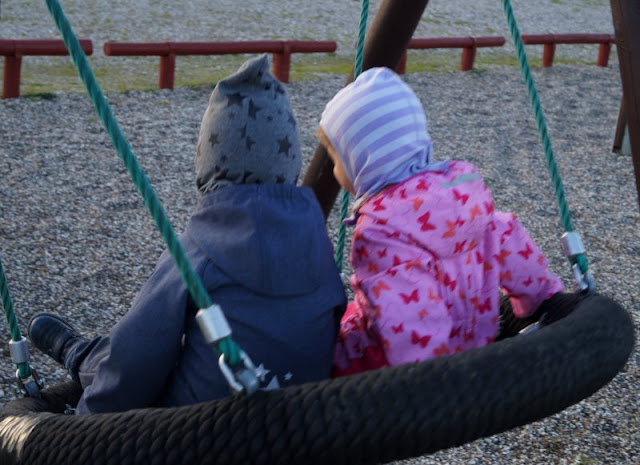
{"type": "Point", "coordinates": [429, 251]}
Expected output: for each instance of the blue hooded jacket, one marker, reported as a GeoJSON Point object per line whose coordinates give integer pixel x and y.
{"type": "Point", "coordinates": [264, 256]}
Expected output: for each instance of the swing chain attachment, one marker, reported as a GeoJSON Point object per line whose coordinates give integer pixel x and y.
{"type": "Point", "coordinates": [32, 384]}
{"type": "Point", "coordinates": [572, 245]}
{"type": "Point", "coordinates": [244, 379]}
{"type": "Point", "coordinates": [214, 327]}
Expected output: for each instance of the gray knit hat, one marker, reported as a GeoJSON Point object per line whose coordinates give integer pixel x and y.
{"type": "Point", "coordinates": [248, 133]}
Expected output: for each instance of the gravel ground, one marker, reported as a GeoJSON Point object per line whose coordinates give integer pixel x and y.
{"type": "Point", "coordinates": [76, 239]}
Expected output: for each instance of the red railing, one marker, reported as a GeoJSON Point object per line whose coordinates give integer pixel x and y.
{"type": "Point", "coordinates": [13, 51]}
{"type": "Point", "coordinates": [551, 40]}
{"type": "Point", "coordinates": [167, 51]}
{"type": "Point", "coordinates": [469, 46]}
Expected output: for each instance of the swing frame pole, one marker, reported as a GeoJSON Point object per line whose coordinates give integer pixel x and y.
{"type": "Point", "coordinates": [626, 22]}
{"type": "Point", "coordinates": [385, 44]}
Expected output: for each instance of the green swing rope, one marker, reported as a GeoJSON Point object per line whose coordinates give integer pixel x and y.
{"type": "Point", "coordinates": [24, 370]}
{"type": "Point", "coordinates": [565, 214]}
{"type": "Point", "coordinates": [344, 208]}
{"type": "Point", "coordinates": [227, 346]}
{"type": "Point", "coordinates": [193, 282]}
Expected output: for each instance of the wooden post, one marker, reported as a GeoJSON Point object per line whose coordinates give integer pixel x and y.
{"type": "Point", "coordinates": [387, 40]}
{"type": "Point", "coordinates": [468, 56]}
{"type": "Point", "coordinates": [282, 64]}
{"type": "Point", "coordinates": [11, 76]}
{"type": "Point", "coordinates": [603, 54]}
{"type": "Point", "coordinates": [548, 52]}
{"type": "Point", "coordinates": [621, 126]}
{"type": "Point", "coordinates": [626, 22]}
{"type": "Point", "coordinates": [167, 71]}
{"type": "Point", "coordinates": [402, 66]}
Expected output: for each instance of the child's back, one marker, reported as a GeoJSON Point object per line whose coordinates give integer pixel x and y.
{"type": "Point", "coordinates": [429, 252]}
{"type": "Point", "coordinates": [259, 244]}
{"type": "Point", "coordinates": [263, 256]}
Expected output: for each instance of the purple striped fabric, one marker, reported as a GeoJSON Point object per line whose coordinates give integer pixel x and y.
{"type": "Point", "coordinates": [378, 127]}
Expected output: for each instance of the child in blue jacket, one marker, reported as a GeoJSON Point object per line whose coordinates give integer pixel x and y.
{"type": "Point", "coordinates": [259, 244]}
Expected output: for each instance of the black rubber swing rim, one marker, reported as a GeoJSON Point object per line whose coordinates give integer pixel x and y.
{"type": "Point", "coordinates": [376, 417]}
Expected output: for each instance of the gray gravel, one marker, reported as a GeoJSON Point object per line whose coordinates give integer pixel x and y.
{"type": "Point", "coordinates": [76, 239]}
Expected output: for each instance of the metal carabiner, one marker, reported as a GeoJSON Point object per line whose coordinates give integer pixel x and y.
{"type": "Point", "coordinates": [583, 282]}
{"type": "Point", "coordinates": [245, 379]}
{"type": "Point", "coordinates": [214, 328]}
{"type": "Point", "coordinates": [30, 386]}
{"type": "Point", "coordinates": [572, 245]}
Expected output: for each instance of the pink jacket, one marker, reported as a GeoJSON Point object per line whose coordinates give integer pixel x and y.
{"type": "Point", "coordinates": [430, 255]}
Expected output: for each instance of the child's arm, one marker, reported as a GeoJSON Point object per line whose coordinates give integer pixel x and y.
{"type": "Point", "coordinates": [524, 273]}
{"type": "Point", "coordinates": [131, 370]}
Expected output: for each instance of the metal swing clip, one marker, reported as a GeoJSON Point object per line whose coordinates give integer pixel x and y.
{"type": "Point", "coordinates": [31, 385]}
{"type": "Point", "coordinates": [214, 327]}
{"type": "Point", "coordinates": [245, 379]}
{"type": "Point", "coordinates": [572, 245]}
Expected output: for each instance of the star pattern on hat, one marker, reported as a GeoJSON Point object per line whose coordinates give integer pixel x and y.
{"type": "Point", "coordinates": [285, 145]}
{"type": "Point", "coordinates": [235, 99]}
{"type": "Point", "coordinates": [255, 99]}
{"type": "Point", "coordinates": [253, 109]}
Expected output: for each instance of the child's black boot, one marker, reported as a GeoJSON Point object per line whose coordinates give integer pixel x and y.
{"type": "Point", "coordinates": [53, 336]}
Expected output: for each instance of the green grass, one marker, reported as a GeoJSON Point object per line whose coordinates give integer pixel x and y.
{"type": "Point", "coordinates": [119, 74]}
{"type": "Point", "coordinates": [585, 461]}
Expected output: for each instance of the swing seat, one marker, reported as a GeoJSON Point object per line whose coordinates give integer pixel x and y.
{"type": "Point", "coordinates": [375, 417]}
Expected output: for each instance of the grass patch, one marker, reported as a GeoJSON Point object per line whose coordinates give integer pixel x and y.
{"type": "Point", "coordinates": [42, 96]}
{"type": "Point", "coordinates": [41, 76]}
{"type": "Point", "coordinates": [585, 461]}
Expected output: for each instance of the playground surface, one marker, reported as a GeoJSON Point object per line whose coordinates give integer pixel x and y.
{"type": "Point", "coordinates": [75, 238]}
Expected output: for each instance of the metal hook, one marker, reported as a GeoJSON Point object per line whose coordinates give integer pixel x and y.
{"type": "Point", "coordinates": [245, 379]}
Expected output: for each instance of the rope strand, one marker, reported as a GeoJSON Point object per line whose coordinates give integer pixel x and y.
{"type": "Point", "coordinates": [24, 370]}
{"type": "Point", "coordinates": [565, 214]}
{"type": "Point", "coordinates": [120, 142]}
{"type": "Point", "coordinates": [344, 208]}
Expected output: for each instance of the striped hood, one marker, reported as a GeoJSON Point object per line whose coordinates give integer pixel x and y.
{"type": "Point", "coordinates": [378, 127]}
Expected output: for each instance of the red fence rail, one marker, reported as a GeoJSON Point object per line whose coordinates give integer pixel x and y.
{"type": "Point", "coordinates": [13, 51]}
{"type": "Point", "coordinates": [469, 46]}
{"type": "Point", "coordinates": [167, 51]}
{"type": "Point", "coordinates": [551, 40]}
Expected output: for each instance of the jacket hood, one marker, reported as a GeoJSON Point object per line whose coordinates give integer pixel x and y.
{"type": "Point", "coordinates": [270, 238]}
